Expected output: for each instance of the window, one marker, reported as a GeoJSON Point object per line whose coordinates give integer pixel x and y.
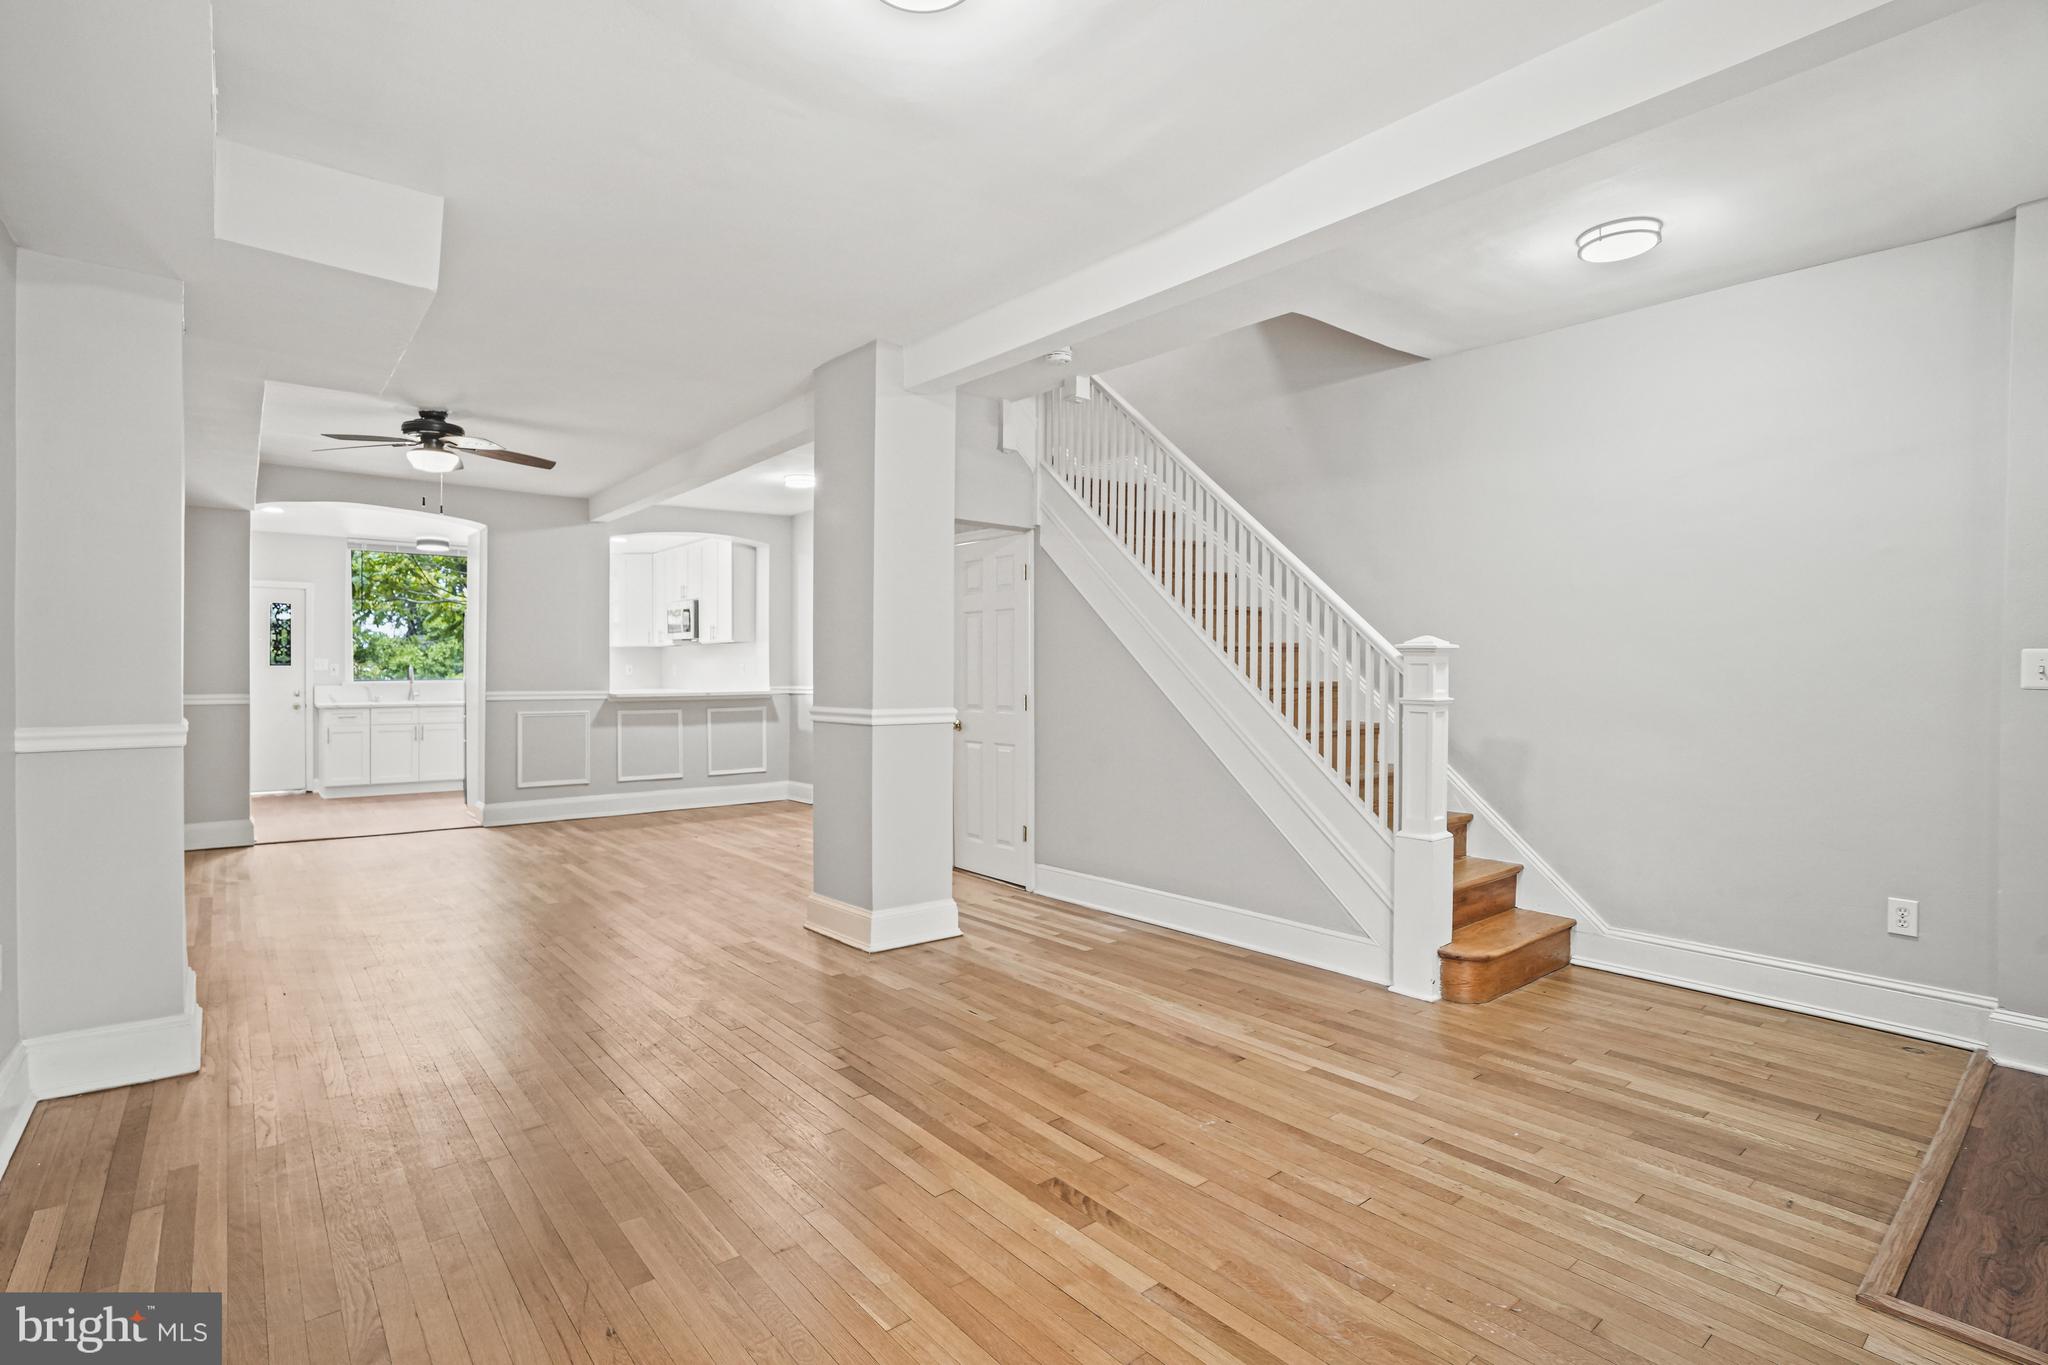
{"type": "Point", "coordinates": [408, 610]}
{"type": "Point", "coordinates": [280, 635]}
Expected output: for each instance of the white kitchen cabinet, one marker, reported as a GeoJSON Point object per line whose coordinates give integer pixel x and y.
{"type": "Point", "coordinates": [344, 748]}
{"type": "Point", "coordinates": [391, 745]}
{"type": "Point", "coordinates": [724, 589]}
{"type": "Point", "coordinates": [394, 746]}
{"type": "Point", "coordinates": [440, 745]}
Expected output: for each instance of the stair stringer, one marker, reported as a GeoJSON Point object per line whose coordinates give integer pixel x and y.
{"type": "Point", "coordinates": [1336, 837]}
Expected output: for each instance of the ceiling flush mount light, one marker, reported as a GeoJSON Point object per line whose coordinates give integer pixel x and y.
{"type": "Point", "coordinates": [270, 507]}
{"type": "Point", "coordinates": [432, 545]}
{"type": "Point", "coordinates": [922, 6]}
{"type": "Point", "coordinates": [1620, 239]}
{"type": "Point", "coordinates": [433, 459]}
{"type": "Point", "coordinates": [800, 481]}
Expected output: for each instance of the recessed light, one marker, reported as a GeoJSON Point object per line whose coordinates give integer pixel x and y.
{"type": "Point", "coordinates": [1620, 239]}
{"type": "Point", "coordinates": [800, 481]}
{"type": "Point", "coordinates": [922, 6]}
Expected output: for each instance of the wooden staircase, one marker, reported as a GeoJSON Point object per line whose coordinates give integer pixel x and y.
{"type": "Point", "coordinates": [1495, 946]}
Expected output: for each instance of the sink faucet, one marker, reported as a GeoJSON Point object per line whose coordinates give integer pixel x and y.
{"type": "Point", "coordinates": [412, 685]}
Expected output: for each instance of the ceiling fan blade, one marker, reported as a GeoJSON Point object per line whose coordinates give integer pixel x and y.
{"type": "Point", "coordinates": [513, 457]}
{"type": "Point", "coordinates": [370, 440]}
{"type": "Point", "coordinates": [375, 445]}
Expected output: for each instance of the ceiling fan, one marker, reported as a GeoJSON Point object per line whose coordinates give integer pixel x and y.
{"type": "Point", "coordinates": [435, 445]}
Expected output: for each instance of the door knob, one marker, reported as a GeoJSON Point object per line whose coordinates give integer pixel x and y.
{"type": "Point", "coordinates": [956, 724]}
{"type": "Point", "coordinates": [295, 706]}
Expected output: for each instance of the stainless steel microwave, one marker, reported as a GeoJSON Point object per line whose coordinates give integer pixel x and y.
{"type": "Point", "coordinates": [682, 621]}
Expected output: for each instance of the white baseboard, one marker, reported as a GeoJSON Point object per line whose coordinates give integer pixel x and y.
{"type": "Point", "coordinates": [220, 834]}
{"type": "Point", "coordinates": [387, 789]}
{"type": "Point", "coordinates": [88, 1059]}
{"type": "Point", "coordinates": [1915, 1009]}
{"type": "Point", "coordinates": [17, 1102]}
{"type": "Point", "coordinates": [800, 791]}
{"type": "Point", "coordinates": [2019, 1040]}
{"type": "Point", "coordinates": [880, 931]}
{"type": "Point", "coordinates": [639, 802]}
{"type": "Point", "coordinates": [1333, 950]}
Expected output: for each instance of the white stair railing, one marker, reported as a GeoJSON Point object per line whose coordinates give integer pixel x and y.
{"type": "Point", "coordinates": [1339, 687]}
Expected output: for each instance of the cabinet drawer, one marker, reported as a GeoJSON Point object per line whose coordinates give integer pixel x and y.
{"type": "Point", "coordinates": [394, 717]}
{"type": "Point", "coordinates": [345, 720]}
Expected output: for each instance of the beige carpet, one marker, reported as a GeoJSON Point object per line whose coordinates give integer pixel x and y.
{"type": "Point", "coordinates": [290, 819]}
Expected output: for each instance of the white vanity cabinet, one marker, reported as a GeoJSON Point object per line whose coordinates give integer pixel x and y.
{"type": "Point", "coordinates": [385, 745]}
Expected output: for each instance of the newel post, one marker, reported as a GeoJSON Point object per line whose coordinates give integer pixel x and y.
{"type": "Point", "coordinates": [1422, 838]}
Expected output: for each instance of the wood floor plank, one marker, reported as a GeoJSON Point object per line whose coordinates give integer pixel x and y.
{"type": "Point", "coordinates": [589, 1094]}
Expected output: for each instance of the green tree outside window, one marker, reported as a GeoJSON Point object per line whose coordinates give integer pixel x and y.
{"type": "Point", "coordinates": [408, 609]}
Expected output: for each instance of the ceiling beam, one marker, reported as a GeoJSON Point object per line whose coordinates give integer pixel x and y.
{"type": "Point", "coordinates": [771, 433]}
{"type": "Point", "coordinates": [1642, 72]}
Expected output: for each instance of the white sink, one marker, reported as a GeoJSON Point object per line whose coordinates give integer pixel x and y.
{"type": "Point", "coordinates": [428, 692]}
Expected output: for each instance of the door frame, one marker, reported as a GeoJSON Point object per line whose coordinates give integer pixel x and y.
{"type": "Point", "coordinates": [306, 730]}
{"type": "Point", "coordinates": [966, 533]}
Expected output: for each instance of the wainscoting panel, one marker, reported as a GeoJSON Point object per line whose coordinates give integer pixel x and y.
{"type": "Point", "coordinates": [650, 746]}
{"type": "Point", "coordinates": [738, 739]}
{"type": "Point", "coordinates": [554, 749]}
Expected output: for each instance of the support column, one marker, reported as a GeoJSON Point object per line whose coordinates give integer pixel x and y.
{"type": "Point", "coordinates": [882, 860]}
{"type": "Point", "coordinates": [1422, 836]}
{"type": "Point", "coordinates": [106, 998]}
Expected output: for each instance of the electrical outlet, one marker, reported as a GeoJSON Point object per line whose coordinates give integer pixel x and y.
{"type": "Point", "coordinates": [1902, 918]}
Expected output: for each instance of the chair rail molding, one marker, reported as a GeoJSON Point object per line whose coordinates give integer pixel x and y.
{"type": "Point", "coordinates": [65, 739]}
{"type": "Point", "coordinates": [900, 715]}
{"type": "Point", "coordinates": [216, 699]}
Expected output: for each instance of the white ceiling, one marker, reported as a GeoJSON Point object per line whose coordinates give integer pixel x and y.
{"type": "Point", "coordinates": [661, 217]}
{"type": "Point", "coordinates": [1942, 129]}
{"type": "Point", "coordinates": [758, 487]}
{"type": "Point", "coordinates": [357, 521]}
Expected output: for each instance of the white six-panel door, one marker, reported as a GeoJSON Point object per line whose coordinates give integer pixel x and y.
{"type": "Point", "coordinates": [991, 690]}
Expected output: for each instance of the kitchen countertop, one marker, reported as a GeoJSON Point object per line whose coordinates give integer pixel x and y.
{"type": "Point", "coordinates": [387, 705]}
{"type": "Point", "coordinates": [664, 694]}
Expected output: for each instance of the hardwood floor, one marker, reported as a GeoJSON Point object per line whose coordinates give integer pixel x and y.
{"type": "Point", "coordinates": [590, 1093]}
{"type": "Point", "coordinates": [1983, 1259]}
{"type": "Point", "coordinates": [305, 815]}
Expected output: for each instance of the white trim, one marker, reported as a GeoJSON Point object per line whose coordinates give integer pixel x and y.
{"type": "Point", "coordinates": [1333, 950]}
{"type": "Point", "coordinates": [803, 691]}
{"type": "Point", "coordinates": [619, 742]}
{"type": "Point", "coordinates": [603, 804]}
{"type": "Point", "coordinates": [87, 1059]}
{"type": "Point", "coordinates": [71, 739]}
{"type": "Point", "coordinates": [680, 694]}
{"type": "Point", "coordinates": [17, 1102]}
{"type": "Point", "coordinates": [363, 789]}
{"type": "Point", "coordinates": [545, 696]}
{"type": "Point", "coordinates": [219, 834]}
{"type": "Point", "coordinates": [216, 699]}
{"type": "Point", "coordinates": [519, 751]}
{"type": "Point", "coordinates": [2019, 1040]}
{"type": "Point", "coordinates": [1915, 1009]}
{"type": "Point", "coordinates": [800, 791]}
{"type": "Point", "coordinates": [881, 931]}
{"type": "Point", "coordinates": [888, 715]}
{"type": "Point", "coordinates": [709, 713]}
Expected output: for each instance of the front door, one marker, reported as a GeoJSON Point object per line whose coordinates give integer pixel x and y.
{"type": "Point", "coordinates": [277, 689]}
{"type": "Point", "coordinates": [991, 690]}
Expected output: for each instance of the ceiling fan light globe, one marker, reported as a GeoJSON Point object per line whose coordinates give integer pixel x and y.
{"type": "Point", "coordinates": [433, 459]}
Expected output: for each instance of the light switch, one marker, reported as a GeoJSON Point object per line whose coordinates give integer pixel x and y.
{"type": "Point", "coordinates": [2034, 669]}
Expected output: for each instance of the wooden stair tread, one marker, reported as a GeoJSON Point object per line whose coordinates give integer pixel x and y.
{"type": "Point", "coordinates": [1457, 820]}
{"type": "Point", "coordinates": [1467, 873]}
{"type": "Point", "coordinates": [1496, 936]}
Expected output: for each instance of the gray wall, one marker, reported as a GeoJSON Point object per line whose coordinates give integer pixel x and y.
{"type": "Point", "coordinates": [1127, 789]}
{"type": "Point", "coordinates": [991, 487]}
{"type": "Point", "coordinates": [1725, 577]}
{"type": "Point", "coordinates": [2023, 716]}
{"type": "Point", "coordinates": [547, 612]}
{"type": "Point", "coordinates": [10, 955]}
{"type": "Point", "coordinates": [216, 663]}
